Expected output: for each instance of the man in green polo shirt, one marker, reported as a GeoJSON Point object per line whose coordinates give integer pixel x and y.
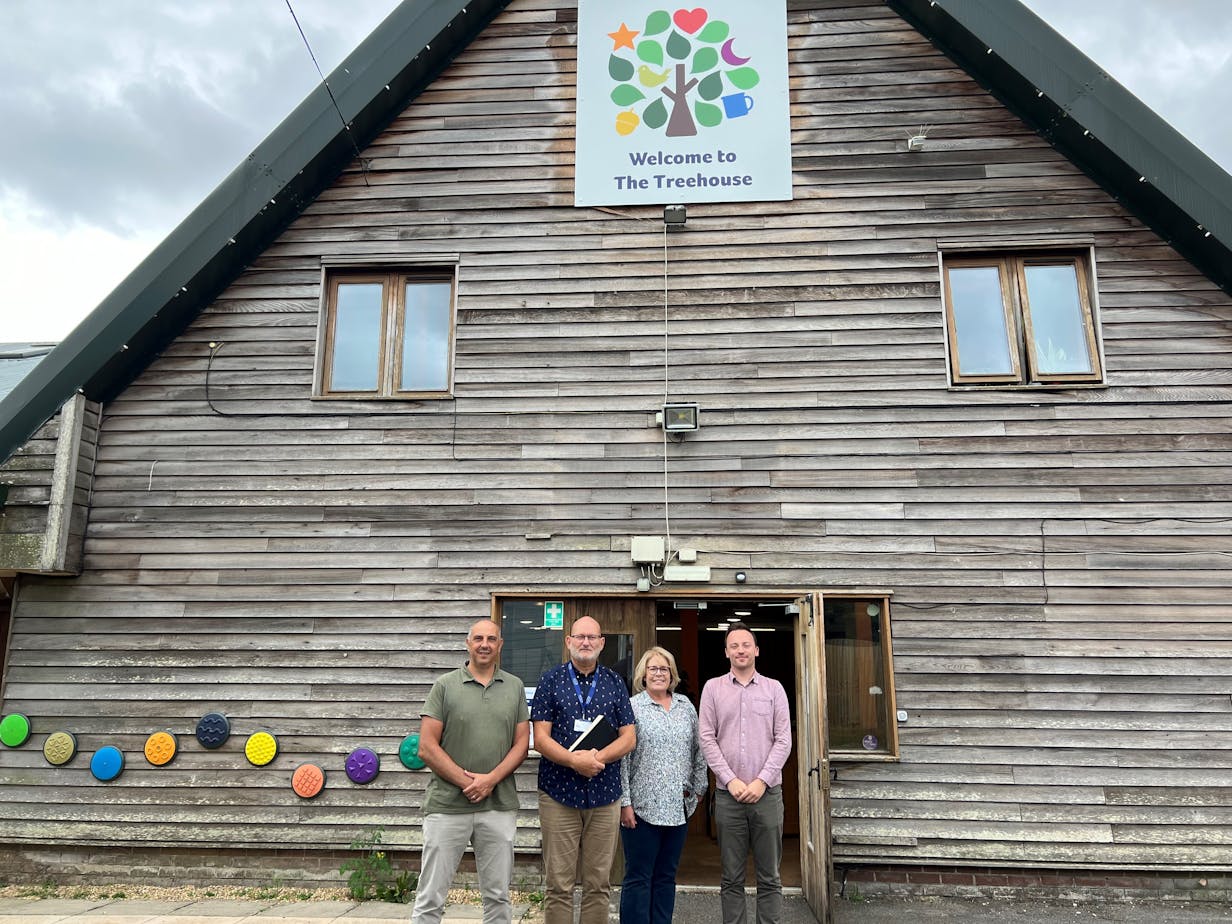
{"type": "Point", "coordinates": [474, 732]}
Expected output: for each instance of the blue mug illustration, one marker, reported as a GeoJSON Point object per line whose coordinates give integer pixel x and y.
{"type": "Point", "coordinates": [737, 104]}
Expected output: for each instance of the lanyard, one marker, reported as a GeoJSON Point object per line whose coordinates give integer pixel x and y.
{"type": "Point", "coordinates": [577, 688]}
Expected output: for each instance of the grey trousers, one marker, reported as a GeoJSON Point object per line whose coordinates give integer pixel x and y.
{"type": "Point", "coordinates": [445, 840]}
{"type": "Point", "coordinates": [758, 828]}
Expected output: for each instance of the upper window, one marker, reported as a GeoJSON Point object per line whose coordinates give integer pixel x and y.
{"type": "Point", "coordinates": [1021, 319]}
{"type": "Point", "coordinates": [387, 334]}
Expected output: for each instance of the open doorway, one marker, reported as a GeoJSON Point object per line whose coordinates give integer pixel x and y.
{"type": "Point", "coordinates": [693, 631]}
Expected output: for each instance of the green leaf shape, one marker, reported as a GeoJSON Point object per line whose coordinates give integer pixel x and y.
{"type": "Point", "coordinates": [711, 87]}
{"type": "Point", "coordinates": [655, 115]}
{"type": "Point", "coordinates": [716, 31]}
{"type": "Point", "coordinates": [651, 52]}
{"type": "Point", "coordinates": [678, 46]}
{"type": "Point", "coordinates": [619, 68]}
{"type": "Point", "coordinates": [708, 115]}
{"type": "Point", "coordinates": [626, 95]}
{"type": "Point", "coordinates": [744, 78]}
{"type": "Point", "coordinates": [657, 22]}
{"type": "Point", "coordinates": [706, 59]}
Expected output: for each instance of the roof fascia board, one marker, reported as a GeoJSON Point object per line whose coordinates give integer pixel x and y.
{"type": "Point", "coordinates": [1091, 119]}
{"type": "Point", "coordinates": [247, 210]}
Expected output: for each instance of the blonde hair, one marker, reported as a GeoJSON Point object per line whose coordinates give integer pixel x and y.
{"type": "Point", "coordinates": [639, 673]}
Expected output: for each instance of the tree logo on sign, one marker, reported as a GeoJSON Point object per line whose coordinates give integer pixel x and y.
{"type": "Point", "coordinates": [680, 71]}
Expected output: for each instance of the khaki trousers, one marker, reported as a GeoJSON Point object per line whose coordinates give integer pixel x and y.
{"type": "Point", "coordinates": [577, 841]}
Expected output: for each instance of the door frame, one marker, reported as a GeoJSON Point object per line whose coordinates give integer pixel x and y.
{"type": "Point", "coordinates": [816, 863]}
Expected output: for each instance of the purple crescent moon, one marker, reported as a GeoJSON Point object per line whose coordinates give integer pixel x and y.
{"type": "Point", "coordinates": [730, 56]}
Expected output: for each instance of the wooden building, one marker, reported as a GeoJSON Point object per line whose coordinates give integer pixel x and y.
{"type": "Point", "coordinates": [1014, 569]}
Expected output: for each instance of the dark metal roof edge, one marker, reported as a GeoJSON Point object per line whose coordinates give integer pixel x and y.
{"type": "Point", "coordinates": [246, 211]}
{"type": "Point", "coordinates": [1168, 183]}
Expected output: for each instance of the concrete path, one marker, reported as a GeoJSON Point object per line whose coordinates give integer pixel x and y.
{"type": "Point", "coordinates": [692, 907]}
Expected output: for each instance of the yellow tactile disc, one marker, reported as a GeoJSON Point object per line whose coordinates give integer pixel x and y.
{"type": "Point", "coordinates": [59, 748]}
{"type": "Point", "coordinates": [261, 748]}
{"type": "Point", "coordinates": [160, 748]}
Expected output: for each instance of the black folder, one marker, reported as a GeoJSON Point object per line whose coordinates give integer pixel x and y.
{"type": "Point", "coordinates": [598, 735]}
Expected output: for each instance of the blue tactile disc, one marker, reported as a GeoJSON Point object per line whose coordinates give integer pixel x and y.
{"type": "Point", "coordinates": [107, 763]}
{"type": "Point", "coordinates": [213, 730]}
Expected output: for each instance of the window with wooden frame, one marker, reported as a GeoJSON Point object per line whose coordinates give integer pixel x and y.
{"type": "Point", "coordinates": [387, 334]}
{"type": "Point", "coordinates": [1021, 319]}
{"type": "Point", "coordinates": [860, 678]}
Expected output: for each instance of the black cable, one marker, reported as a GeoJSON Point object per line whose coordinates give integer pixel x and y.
{"type": "Point", "coordinates": [363, 167]}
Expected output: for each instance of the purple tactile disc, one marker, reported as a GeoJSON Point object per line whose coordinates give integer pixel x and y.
{"type": "Point", "coordinates": [362, 765]}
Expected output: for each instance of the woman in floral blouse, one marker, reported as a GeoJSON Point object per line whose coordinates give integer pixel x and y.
{"type": "Point", "coordinates": [662, 780]}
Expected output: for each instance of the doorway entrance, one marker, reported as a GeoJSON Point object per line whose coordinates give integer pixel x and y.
{"type": "Point", "coordinates": [789, 634]}
{"type": "Point", "coordinates": [693, 630]}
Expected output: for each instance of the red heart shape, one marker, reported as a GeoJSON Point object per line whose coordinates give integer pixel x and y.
{"type": "Point", "coordinates": [690, 20]}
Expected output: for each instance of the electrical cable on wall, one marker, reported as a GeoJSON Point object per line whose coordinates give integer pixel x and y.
{"type": "Point", "coordinates": [667, 520]}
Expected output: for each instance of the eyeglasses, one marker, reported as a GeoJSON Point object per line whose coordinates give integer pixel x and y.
{"type": "Point", "coordinates": [591, 639]}
{"type": "Point", "coordinates": [658, 670]}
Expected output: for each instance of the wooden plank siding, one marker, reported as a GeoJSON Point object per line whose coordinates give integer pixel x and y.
{"type": "Point", "coordinates": [43, 518]}
{"type": "Point", "coordinates": [1061, 559]}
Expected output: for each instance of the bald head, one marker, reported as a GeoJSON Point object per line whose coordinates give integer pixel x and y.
{"type": "Point", "coordinates": [584, 642]}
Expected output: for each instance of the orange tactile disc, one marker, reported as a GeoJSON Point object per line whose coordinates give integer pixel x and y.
{"type": "Point", "coordinates": [160, 748]}
{"type": "Point", "coordinates": [261, 748]}
{"type": "Point", "coordinates": [308, 781]}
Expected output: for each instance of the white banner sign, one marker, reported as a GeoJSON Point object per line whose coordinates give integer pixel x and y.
{"type": "Point", "coordinates": [682, 105]}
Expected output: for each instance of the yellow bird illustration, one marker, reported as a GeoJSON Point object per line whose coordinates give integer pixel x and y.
{"type": "Point", "coordinates": [649, 78]}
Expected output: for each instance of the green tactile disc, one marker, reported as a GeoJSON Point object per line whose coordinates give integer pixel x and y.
{"type": "Point", "coordinates": [60, 748]}
{"type": "Point", "coordinates": [14, 730]}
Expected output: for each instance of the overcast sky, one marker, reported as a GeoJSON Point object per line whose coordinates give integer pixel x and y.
{"type": "Point", "coordinates": [120, 116]}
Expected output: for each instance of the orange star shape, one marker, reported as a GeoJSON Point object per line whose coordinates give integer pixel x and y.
{"type": "Point", "coordinates": [623, 37]}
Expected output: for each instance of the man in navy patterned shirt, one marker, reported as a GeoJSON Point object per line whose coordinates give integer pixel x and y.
{"type": "Point", "coordinates": [579, 791]}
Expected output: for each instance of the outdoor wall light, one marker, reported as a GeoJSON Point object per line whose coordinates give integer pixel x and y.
{"type": "Point", "coordinates": [674, 217]}
{"type": "Point", "coordinates": [678, 418]}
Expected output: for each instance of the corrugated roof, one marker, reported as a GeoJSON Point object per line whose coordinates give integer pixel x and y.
{"type": "Point", "coordinates": [1167, 182]}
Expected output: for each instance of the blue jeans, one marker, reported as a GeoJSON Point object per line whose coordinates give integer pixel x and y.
{"type": "Point", "coordinates": [652, 853]}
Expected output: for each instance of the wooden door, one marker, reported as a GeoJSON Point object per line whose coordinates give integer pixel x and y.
{"type": "Point", "coordinates": [816, 866]}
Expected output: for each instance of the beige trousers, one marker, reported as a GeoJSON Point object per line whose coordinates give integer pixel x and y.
{"type": "Point", "coordinates": [577, 842]}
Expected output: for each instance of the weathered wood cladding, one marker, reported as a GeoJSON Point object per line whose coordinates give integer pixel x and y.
{"type": "Point", "coordinates": [43, 518]}
{"type": "Point", "coordinates": [1059, 558]}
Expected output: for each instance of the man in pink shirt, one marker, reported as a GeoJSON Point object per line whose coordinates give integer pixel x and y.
{"type": "Point", "coordinates": [745, 733]}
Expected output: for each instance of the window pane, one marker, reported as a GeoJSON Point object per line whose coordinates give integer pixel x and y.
{"type": "Point", "coordinates": [530, 650]}
{"type": "Point", "coordinates": [425, 337]}
{"type": "Point", "coordinates": [979, 321]}
{"type": "Point", "coordinates": [1057, 320]}
{"type": "Point", "coordinates": [357, 337]}
{"type": "Point", "coordinates": [855, 676]}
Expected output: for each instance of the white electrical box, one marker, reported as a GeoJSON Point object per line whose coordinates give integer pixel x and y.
{"type": "Point", "coordinates": [687, 556]}
{"type": "Point", "coordinates": [686, 573]}
{"type": "Point", "coordinates": [648, 550]}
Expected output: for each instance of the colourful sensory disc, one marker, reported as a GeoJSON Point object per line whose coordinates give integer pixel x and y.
{"type": "Point", "coordinates": [213, 730]}
{"type": "Point", "coordinates": [261, 748]}
{"type": "Point", "coordinates": [408, 753]}
{"type": "Point", "coordinates": [60, 748]}
{"type": "Point", "coordinates": [14, 729]}
{"type": "Point", "coordinates": [107, 763]}
{"type": "Point", "coordinates": [160, 747]}
{"type": "Point", "coordinates": [362, 765]}
{"type": "Point", "coordinates": [308, 780]}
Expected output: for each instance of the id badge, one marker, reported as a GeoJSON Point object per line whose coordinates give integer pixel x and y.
{"type": "Point", "coordinates": [580, 725]}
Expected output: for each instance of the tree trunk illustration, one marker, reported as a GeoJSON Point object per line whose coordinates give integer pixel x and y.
{"type": "Point", "coordinates": [680, 124]}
